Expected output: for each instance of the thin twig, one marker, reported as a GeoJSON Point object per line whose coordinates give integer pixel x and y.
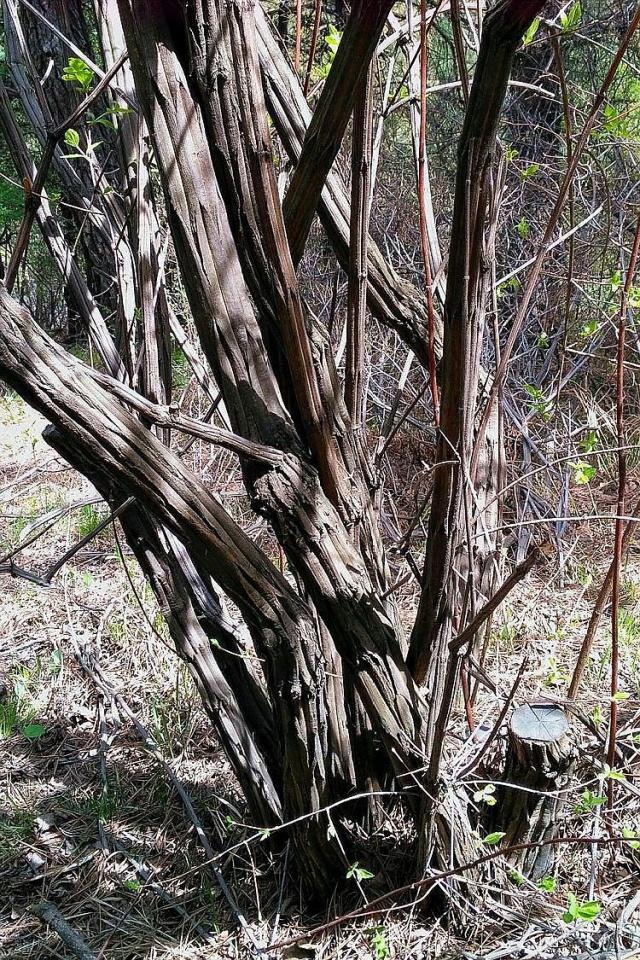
{"type": "Point", "coordinates": [33, 190]}
{"type": "Point", "coordinates": [538, 554]}
{"type": "Point", "coordinates": [312, 48]}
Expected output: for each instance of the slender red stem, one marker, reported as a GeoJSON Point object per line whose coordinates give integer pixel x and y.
{"type": "Point", "coordinates": [298, 47]}
{"type": "Point", "coordinates": [312, 49]}
{"type": "Point", "coordinates": [619, 529]}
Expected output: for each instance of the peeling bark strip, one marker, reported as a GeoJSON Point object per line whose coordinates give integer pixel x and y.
{"type": "Point", "coordinates": [354, 388]}
{"type": "Point", "coordinates": [228, 90]}
{"type": "Point", "coordinates": [229, 94]}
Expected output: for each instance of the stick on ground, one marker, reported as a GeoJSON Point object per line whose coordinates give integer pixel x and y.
{"type": "Point", "coordinates": [49, 914]}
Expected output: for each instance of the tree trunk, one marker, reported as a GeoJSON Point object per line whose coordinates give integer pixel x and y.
{"type": "Point", "coordinates": [31, 46]}
{"type": "Point", "coordinates": [290, 496]}
{"type": "Point", "coordinates": [469, 272]}
{"type": "Point", "coordinates": [282, 628]}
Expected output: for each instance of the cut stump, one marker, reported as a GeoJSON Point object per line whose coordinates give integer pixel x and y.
{"type": "Point", "coordinates": [540, 756]}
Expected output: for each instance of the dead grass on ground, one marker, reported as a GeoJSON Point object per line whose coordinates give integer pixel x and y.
{"type": "Point", "coordinates": [90, 819]}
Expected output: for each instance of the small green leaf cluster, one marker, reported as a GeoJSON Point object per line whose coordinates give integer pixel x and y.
{"type": "Point", "coordinates": [589, 801]}
{"type": "Point", "coordinates": [540, 404]}
{"type": "Point", "coordinates": [580, 909]}
{"type": "Point", "coordinates": [331, 39]}
{"type": "Point", "coordinates": [571, 19]}
{"type": "Point", "coordinates": [486, 795]}
{"type": "Point", "coordinates": [78, 74]}
{"type": "Point", "coordinates": [379, 942]}
{"type": "Point", "coordinates": [583, 472]}
{"type": "Point", "coordinates": [356, 872]}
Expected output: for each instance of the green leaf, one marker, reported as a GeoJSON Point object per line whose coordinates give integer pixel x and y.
{"type": "Point", "coordinates": [571, 912]}
{"type": "Point", "coordinates": [332, 38]}
{"type": "Point", "coordinates": [571, 19]}
{"type": "Point", "coordinates": [590, 442]}
{"type": "Point", "coordinates": [523, 228]}
{"type": "Point", "coordinates": [588, 910]}
{"type": "Point", "coordinates": [33, 731]}
{"type": "Point", "coordinates": [492, 839]}
{"type": "Point", "coordinates": [357, 872]}
{"type": "Point", "coordinates": [609, 774]}
{"type": "Point", "coordinates": [531, 32]}
{"type": "Point", "coordinates": [548, 884]}
{"type": "Point", "coordinates": [539, 402]}
{"type": "Point", "coordinates": [72, 138]}
{"type": "Point", "coordinates": [585, 910]}
{"type": "Point", "coordinates": [102, 121]}
{"type": "Point", "coordinates": [529, 171]}
{"type": "Point", "coordinates": [620, 697]}
{"type": "Point", "coordinates": [132, 885]}
{"type": "Point", "coordinates": [589, 801]}
{"type": "Point", "coordinates": [379, 943]}
{"type": "Point", "coordinates": [632, 836]}
{"type": "Point", "coordinates": [589, 328]}
{"type": "Point", "coordinates": [78, 73]}
{"type": "Point", "coordinates": [583, 472]}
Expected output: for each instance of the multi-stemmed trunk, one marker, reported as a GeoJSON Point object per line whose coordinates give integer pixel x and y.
{"type": "Point", "coordinates": [331, 647]}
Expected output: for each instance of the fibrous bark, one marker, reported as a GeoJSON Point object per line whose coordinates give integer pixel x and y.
{"type": "Point", "coordinates": [282, 628]}
{"type": "Point", "coordinates": [290, 496]}
{"type": "Point", "coordinates": [469, 270]}
{"type": "Point", "coordinates": [392, 300]}
{"type": "Point", "coordinates": [323, 138]}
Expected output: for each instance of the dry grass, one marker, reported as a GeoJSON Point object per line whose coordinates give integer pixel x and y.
{"type": "Point", "coordinates": [90, 821]}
